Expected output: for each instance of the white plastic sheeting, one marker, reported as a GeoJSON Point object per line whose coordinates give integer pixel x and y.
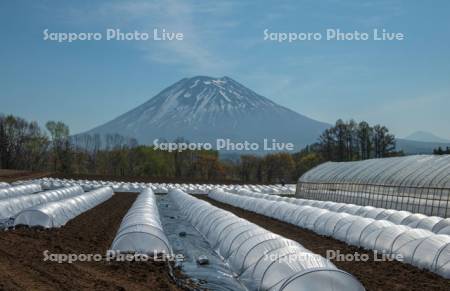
{"type": "Point", "coordinates": [87, 185]}
{"type": "Point", "coordinates": [58, 213]}
{"type": "Point", "coordinates": [419, 247]}
{"type": "Point", "coordinates": [419, 183]}
{"type": "Point", "coordinates": [162, 188]}
{"type": "Point", "coordinates": [10, 207]}
{"type": "Point", "coordinates": [408, 171]}
{"type": "Point", "coordinates": [442, 227]}
{"type": "Point", "coordinates": [19, 190]}
{"type": "Point", "coordinates": [262, 260]}
{"type": "Point", "coordinates": [266, 189]}
{"type": "Point", "coordinates": [141, 230]}
{"type": "Point", "coordinates": [424, 252]}
{"type": "Point", "coordinates": [415, 220]}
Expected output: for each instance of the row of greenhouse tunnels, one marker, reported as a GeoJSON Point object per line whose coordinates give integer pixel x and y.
{"type": "Point", "coordinates": [235, 236]}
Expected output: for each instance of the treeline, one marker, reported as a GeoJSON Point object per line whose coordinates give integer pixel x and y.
{"type": "Point", "coordinates": [136, 161]}
{"type": "Point", "coordinates": [272, 168]}
{"type": "Point", "coordinates": [352, 141]}
{"type": "Point", "coordinates": [25, 146]}
{"type": "Point", "coordinates": [441, 151]}
{"type": "Point", "coordinates": [345, 141]}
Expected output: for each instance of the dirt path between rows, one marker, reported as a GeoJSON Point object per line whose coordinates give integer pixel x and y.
{"type": "Point", "coordinates": [374, 275]}
{"type": "Point", "coordinates": [21, 255]}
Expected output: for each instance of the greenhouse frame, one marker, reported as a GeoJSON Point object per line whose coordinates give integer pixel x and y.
{"type": "Point", "coordinates": [419, 183]}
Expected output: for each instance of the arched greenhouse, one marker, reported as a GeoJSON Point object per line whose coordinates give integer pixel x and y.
{"type": "Point", "coordinates": [419, 184]}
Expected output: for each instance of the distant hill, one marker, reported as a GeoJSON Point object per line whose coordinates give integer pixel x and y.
{"type": "Point", "coordinates": [419, 147]}
{"type": "Point", "coordinates": [424, 136]}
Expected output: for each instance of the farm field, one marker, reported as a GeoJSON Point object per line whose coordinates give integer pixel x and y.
{"type": "Point", "coordinates": [14, 175]}
{"type": "Point", "coordinates": [373, 275]}
{"type": "Point", "coordinates": [22, 266]}
{"type": "Point", "coordinates": [225, 146]}
{"type": "Point", "coordinates": [221, 247]}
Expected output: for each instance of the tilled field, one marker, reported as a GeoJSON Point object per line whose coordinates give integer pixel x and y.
{"type": "Point", "coordinates": [14, 175]}
{"type": "Point", "coordinates": [374, 275]}
{"type": "Point", "coordinates": [22, 265]}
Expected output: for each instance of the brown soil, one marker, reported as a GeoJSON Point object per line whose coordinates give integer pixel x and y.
{"type": "Point", "coordinates": [22, 266]}
{"type": "Point", "coordinates": [374, 275]}
{"type": "Point", "coordinates": [14, 175]}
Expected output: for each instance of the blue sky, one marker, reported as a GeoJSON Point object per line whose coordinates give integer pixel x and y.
{"type": "Point", "coordinates": [402, 84]}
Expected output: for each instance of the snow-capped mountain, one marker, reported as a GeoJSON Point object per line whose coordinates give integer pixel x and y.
{"type": "Point", "coordinates": [203, 109]}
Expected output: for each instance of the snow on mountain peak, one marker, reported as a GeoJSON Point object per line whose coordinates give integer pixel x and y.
{"type": "Point", "coordinates": [202, 107]}
{"type": "Point", "coordinates": [199, 98]}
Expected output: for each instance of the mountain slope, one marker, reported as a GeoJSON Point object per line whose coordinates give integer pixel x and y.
{"type": "Point", "coordinates": [203, 109]}
{"type": "Point", "coordinates": [413, 147]}
{"type": "Point", "coordinates": [424, 136]}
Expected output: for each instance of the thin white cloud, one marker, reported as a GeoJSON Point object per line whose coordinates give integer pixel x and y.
{"type": "Point", "coordinates": [196, 53]}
